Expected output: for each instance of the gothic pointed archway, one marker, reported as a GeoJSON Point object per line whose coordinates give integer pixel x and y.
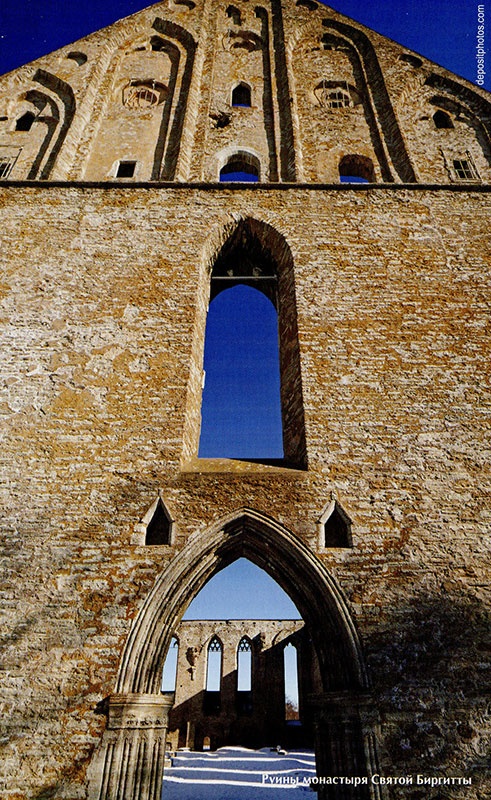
{"type": "Point", "coordinates": [343, 741]}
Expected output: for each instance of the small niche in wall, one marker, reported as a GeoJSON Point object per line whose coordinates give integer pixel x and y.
{"type": "Point", "coordinates": [24, 123]}
{"type": "Point", "coordinates": [408, 58]}
{"type": "Point", "coordinates": [442, 119]}
{"type": "Point", "coordinates": [335, 526]}
{"type": "Point", "coordinates": [78, 57]}
{"type": "Point", "coordinates": [159, 528]}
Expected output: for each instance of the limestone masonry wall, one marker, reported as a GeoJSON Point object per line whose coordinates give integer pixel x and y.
{"type": "Point", "coordinates": [101, 295]}
{"type": "Point", "coordinates": [376, 521]}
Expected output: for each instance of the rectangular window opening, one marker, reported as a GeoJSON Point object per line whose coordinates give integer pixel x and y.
{"type": "Point", "coordinates": [126, 169]}
{"type": "Point", "coordinates": [465, 169]}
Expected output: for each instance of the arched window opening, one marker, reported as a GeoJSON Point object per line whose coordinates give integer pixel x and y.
{"type": "Point", "coordinates": [79, 58]}
{"type": "Point", "coordinates": [169, 673]}
{"type": "Point", "coordinates": [206, 743]}
{"type": "Point", "coordinates": [408, 58]}
{"type": "Point", "coordinates": [252, 404]}
{"type": "Point", "coordinates": [241, 408]}
{"type": "Point", "coordinates": [241, 95]}
{"type": "Point", "coordinates": [337, 527]}
{"type": "Point", "coordinates": [24, 123]}
{"type": "Point", "coordinates": [356, 169]}
{"type": "Point", "coordinates": [160, 526]}
{"type": "Point", "coordinates": [242, 167]}
{"type": "Point", "coordinates": [290, 661]}
{"type": "Point", "coordinates": [244, 677]}
{"type": "Point", "coordinates": [234, 14]}
{"type": "Point", "coordinates": [442, 119]}
{"type": "Point", "coordinates": [212, 702]}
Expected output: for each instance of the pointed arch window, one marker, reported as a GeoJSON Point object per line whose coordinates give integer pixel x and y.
{"type": "Point", "coordinates": [244, 676]}
{"type": "Point", "coordinates": [241, 95]}
{"type": "Point", "coordinates": [335, 526]}
{"type": "Point", "coordinates": [252, 401]}
{"type": "Point", "coordinates": [213, 677]}
{"type": "Point", "coordinates": [159, 527]}
{"type": "Point", "coordinates": [290, 662]}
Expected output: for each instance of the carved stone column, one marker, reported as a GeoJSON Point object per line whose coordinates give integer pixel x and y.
{"type": "Point", "coordinates": [345, 744]}
{"type": "Point", "coordinates": [130, 762]}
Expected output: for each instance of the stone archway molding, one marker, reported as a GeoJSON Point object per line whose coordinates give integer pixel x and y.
{"type": "Point", "coordinates": [254, 535]}
{"type": "Point", "coordinates": [130, 762]}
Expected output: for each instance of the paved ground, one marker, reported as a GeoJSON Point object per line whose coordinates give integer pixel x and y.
{"type": "Point", "coordinates": [235, 773]}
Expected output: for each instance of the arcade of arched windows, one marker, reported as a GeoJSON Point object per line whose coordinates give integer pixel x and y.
{"type": "Point", "coordinates": [227, 671]}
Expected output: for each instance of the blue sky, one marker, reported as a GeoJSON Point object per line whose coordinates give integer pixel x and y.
{"type": "Point", "coordinates": [265, 598]}
{"type": "Point", "coordinates": [241, 397]}
{"type": "Point", "coordinates": [442, 30]}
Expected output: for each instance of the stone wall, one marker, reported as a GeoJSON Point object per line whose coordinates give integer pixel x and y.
{"type": "Point", "coordinates": [255, 717]}
{"type": "Point", "coordinates": [103, 299]}
{"type": "Point", "coordinates": [154, 90]}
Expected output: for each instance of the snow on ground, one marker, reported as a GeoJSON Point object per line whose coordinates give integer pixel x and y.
{"type": "Point", "coordinates": [236, 773]}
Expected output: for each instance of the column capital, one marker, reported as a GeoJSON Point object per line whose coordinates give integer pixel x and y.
{"type": "Point", "coordinates": [139, 711]}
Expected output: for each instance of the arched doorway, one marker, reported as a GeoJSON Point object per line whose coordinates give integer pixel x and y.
{"type": "Point", "coordinates": [132, 751]}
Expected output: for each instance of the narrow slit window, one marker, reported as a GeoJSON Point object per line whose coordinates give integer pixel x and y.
{"type": "Point", "coordinates": [212, 703]}
{"type": "Point", "coordinates": [244, 666]}
{"type": "Point", "coordinates": [290, 659]}
{"type": "Point", "coordinates": [214, 666]}
{"type": "Point", "coordinates": [169, 674]}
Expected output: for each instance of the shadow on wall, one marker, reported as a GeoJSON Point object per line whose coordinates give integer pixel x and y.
{"type": "Point", "coordinates": [431, 672]}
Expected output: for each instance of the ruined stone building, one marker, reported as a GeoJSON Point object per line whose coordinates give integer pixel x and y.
{"type": "Point", "coordinates": [248, 708]}
{"type": "Point", "coordinates": [118, 226]}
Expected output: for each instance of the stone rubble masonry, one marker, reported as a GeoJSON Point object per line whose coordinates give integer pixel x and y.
{"type": "Point", "coordinates": [103, 297]}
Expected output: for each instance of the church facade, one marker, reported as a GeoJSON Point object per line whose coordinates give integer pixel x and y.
{"type": "Point", "coordinates": [367, 225]}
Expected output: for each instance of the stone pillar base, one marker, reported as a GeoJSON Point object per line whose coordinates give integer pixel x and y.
{"type": "Point", "coordinates": [130, 762]}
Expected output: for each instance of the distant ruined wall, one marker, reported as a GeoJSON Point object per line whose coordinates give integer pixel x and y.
{"type": "Point", "coordinates": [255, 717]}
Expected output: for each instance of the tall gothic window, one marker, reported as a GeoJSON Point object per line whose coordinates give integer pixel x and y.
{"type": "Point", "coordinates": [291, 683]}
{"type": "Point", "coordinates": [213, 677]}
{"type": "Point", "coordinates": [252, 404]}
